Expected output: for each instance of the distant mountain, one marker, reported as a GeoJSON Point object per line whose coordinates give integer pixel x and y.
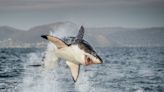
{"type": "Point", "coordinates": [8, 32]}
{"type": "Point", "coordinates": [99, 37]}
{"type": "Point", "coordinates": [128, 36]}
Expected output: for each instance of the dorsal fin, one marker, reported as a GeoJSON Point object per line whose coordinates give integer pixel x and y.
{"type": "Point", "coordinates": [80, 35]}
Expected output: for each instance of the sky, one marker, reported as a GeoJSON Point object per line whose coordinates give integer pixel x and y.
{"type": "Point", "coordinates": [24, 14]}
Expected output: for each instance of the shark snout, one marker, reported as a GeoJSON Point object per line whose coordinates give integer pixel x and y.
{"type": "Point", "coordinates": [44, 36]}
{"type": "Point", "coordinates": [92, 60]}
{"type": "Point", "coordinates": [100, 61]}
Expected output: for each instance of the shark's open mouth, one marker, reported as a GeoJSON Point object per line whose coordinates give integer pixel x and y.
{"type": "Point", "coordinates": [88, 60]}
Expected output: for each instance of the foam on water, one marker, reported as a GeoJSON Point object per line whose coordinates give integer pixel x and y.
{"type": "Point", "coordinates": [50, 59]}
{"type": "Point", "coordinates": [82, 83]}
{"type": "Point", "coordinates": [121, 72]}
{"type": "Point", "coordinates": [37, 79]}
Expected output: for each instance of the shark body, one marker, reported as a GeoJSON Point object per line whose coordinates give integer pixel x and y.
{"type": "Point", "coordinates": [76, 52]}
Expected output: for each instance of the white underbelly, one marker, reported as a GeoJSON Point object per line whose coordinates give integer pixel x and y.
{"type": "Point", "coordinates": [72, 53]}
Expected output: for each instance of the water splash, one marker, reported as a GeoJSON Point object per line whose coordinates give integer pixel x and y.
{"type": "Point", "coordinates": [39, 79]}
{"type": "Point", "coordinates": [83, 84]}
{"type": "Point", "coordinates": [119, 72]}
{"type": "Point", "coordinates": [62, 31]}
{"type": "Point", "coordinates": [48, 78]}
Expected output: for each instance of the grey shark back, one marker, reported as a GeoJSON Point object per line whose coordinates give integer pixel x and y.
{"type": "Point", "coordinates": [75, 40]}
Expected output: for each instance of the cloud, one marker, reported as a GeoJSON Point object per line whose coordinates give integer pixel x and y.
{"type": "Point", "coordinates": [50, 4]}
{"type": "Point", "coordinates": [126, 13]}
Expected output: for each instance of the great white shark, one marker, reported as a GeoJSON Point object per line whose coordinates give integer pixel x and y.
{"type": "Point", "coordinates": [77, 52]}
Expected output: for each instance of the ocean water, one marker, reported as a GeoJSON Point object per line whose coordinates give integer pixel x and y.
{"type": "Point", "coordinates": [124, 70]}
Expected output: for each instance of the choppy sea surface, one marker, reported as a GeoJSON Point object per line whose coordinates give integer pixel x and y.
{"type": "Point", "coordinates": [124, 70]}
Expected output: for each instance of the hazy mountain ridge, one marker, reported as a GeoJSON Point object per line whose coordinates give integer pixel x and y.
{"type": "Point", "coordinates": [99, 37]}
{"type": "Point", "coordinates": [8, 32]}
{"type": "Point", "coordinates": [127, 36]}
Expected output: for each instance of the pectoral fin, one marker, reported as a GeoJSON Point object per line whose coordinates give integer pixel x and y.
{"type": "Point", "coordinates": [74, 70]}
{"type": "Point", "coordinates": [58, 42]}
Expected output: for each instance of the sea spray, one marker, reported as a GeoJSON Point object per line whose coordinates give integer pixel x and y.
{"type": "Point", "coordinates": [38, 79]}
{"type": "Point", "coordinates": [49, 77]}
{"type": "Point", "coordinates": [50, 59]}
{"type": "Point", "coordinates": [82, 83]}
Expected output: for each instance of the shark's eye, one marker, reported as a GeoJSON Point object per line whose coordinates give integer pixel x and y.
{"type": "Point", "coordinates": [89, 61]}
